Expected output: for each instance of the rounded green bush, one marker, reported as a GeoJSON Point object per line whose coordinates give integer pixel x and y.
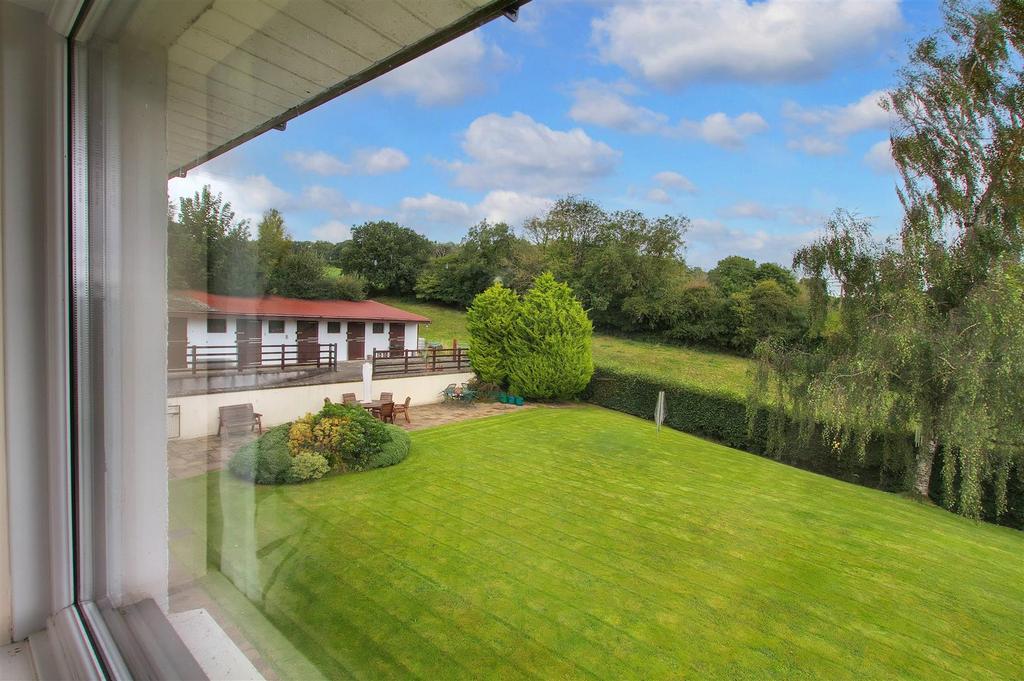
{"type": "Point", "coordinates": [266, 460]}
{"type": "Point", "coordinates": [395, 450]}
{"type": "Point", "coordinates": [308, 466]}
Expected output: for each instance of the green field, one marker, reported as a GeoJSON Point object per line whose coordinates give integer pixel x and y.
{"type": "Point", "coordinates": [579, 542]}
{"type": "Point", "coordinates": [700, 368]}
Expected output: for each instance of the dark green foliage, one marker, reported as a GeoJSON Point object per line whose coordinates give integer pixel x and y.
{"type": "Point", "coordinates": [550, 345]}
{"type": "Point", "coordinates": [490, 321]}
{"type": "Point", "coordinates": [265, 461]}
{"type": "Point", "coordinates": [483, 257]}
{"type": "Point", "coordinates": [393, 451]}
{"type": "Point", "coordinates": [386, 254]}
{"type": "Point", "coordinates": [733, 274]}
{"type": "Point", "coordinates": [208, 249]}
{"type": "Point", "coordinates": [703, 316]}
{"type": "Point", "coordinates": [767, 311]}
{"type": "Point", "coordinates": [303, 274]}
{"type": "Point", "coordinates": [623, 266]}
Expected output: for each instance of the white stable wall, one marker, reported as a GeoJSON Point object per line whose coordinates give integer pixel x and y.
{"type": "Point", "coordinates": [199, 413]}
{"type": "Point", "coordinates": [198, 335]}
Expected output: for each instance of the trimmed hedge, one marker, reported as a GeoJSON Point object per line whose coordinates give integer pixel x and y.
{"type": "Point", "coordinates": [393, 451]}
{"type": "Point", "coordinates": [887, 464]}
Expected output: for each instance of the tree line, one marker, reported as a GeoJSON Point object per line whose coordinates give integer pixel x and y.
{"type": "Point", "coordinates": [627, 269]}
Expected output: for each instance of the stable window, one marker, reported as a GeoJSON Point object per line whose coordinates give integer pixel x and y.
{"type": "Point", "coordinates": [378, 327]}
{"type": "Point", "coordinates": [333, 327]}
{"type": "Point", "coordinates": [275, 326]}
{"type": "Point", "coordinates": [216, 326]}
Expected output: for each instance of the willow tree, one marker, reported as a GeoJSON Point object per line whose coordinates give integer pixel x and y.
{"type": "Point", "coordinates": [925, 332]}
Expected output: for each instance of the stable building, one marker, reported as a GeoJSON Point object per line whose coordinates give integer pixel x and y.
{"type": "Point", "coordinates": [209, 331]}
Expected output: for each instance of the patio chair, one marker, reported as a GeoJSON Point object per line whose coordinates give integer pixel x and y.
{"type": "Point", "coordinates": [403, 409]}
{"type": "Point", "coordinates": [448, 394]}
{"type": "Point", "coordinates": [348, 398]}
{"type": "Point", "coordinates": [386, 413]}
{"type": "Point", "coordinates": [387, 397]}
{"type": "Point", "coordinates": [235, 416]}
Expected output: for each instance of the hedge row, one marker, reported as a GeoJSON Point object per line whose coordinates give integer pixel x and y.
{"type": "Point", "coordinates": [887, 464]}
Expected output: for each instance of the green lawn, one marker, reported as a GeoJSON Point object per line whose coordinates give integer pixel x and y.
{"type": "Point", "coordinates": [710, 370]}
{"type": "Point", "coordinates": [578, 542]}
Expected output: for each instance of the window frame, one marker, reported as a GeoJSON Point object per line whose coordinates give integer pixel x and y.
{"type": "Point", "coordinates": [374, 325]}
{"type": "Point", "coordinates": [272, 322]}
{"type": "Point", "coordinates": [333, 327]}
{"type": "Point", "coordinates": [223, 322]}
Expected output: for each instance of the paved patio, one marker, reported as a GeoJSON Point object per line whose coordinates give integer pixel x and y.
{"type": "Point", "coordinates": [186, 458]}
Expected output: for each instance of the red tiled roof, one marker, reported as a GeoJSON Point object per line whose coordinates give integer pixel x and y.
{"type": "Point", "coordinates": [276, 306]}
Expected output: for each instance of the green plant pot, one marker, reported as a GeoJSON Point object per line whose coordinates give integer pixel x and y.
{"type": "Point", "coordinates": [503, 398]}
{"type": "Point", "coordinates": [519, 401]}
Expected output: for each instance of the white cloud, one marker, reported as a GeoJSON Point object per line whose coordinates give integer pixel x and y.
{"type": "Point", "coordinates": [332, 230]}
{"type": "Point", "coordinates": [674, 42]}
{"type": "Point", "coordinates": [708, 241]}
{"type": "Point", "coordinates": [750, 209]}
{"type": "Point", "coordinates": [331, 201]}
{"type": "Point", "coordinates": [447, 75]}
{"type": "Point", "coordinates": [381, 161]}
{"type": "Point", "coordinates": [496, 206]}
{"type": "Point", "coordinates": [512, 207]}
{"type": "Point", "coordinates": [603, 104]}
{"type": "Point", "coordinates": [518, 153]}
{"type": "Point", "coordinates": [668, 179]}
{"type": "Point", "coordinates": [721, 130]}
{"type": "Point", "coordinates": [879, 158]}
{"type": "Point", "coordinates": [816, 146]}
{"type": "Point", "coordinates": [658, 195]}
{"type": "Point", "coordinates": [433, 208]}
{"type": "Point", "coordinates": [842, 121]}
{"type": "Point", "coordinates": [249, 196]}
{"type": "Point", "coordinates": [377, 161]}
{"type": "Point", "coordinates": [824, 129]}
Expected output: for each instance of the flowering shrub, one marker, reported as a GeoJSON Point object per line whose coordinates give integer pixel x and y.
{"type": "Point", "coordinates": [307, 465]}
{"type": "Point", "coordinates": [338, 438]}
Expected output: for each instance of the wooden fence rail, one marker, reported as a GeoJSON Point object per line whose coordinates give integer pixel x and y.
{"type": "Point", "coordinates": [213, 357]}
{"type": "Point", "coordinates": [410, 362]}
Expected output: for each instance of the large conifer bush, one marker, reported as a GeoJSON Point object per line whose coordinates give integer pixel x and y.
{"type": "Point", "coordinates": [490, 322]}
{"type": "Point", "coordinates": [537, 347]}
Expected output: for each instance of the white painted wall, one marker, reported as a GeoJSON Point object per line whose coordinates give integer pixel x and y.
{"type": "Point", "coordinates": [279, 405]}
{"type": "Point", "coordinates": [198, 335]}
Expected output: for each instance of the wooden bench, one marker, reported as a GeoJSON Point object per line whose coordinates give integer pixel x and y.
{"type": "Point", "coordinates": [237, 416]}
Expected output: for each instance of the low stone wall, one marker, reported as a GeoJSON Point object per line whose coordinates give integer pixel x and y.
{"type": "Point", "coordinates": [197, 414]}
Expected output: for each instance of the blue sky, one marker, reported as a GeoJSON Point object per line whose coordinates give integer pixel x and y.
{"type": "Point", "coordinates": [754, 120]}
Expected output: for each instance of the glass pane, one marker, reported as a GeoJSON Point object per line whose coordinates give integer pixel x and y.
{"type": "Point", "coordinates": [266, 389]}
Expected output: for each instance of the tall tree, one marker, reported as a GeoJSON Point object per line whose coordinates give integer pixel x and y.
{"type": "Point", "coordinates": [930, 329]}
{"type": "Point", "coordinates": [387, 254]}
{"type": "Point", "coordinates": [272, 242]}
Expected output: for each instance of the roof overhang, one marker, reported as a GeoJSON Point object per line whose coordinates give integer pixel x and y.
{"type": "Point", "coordinates": [236, 68]}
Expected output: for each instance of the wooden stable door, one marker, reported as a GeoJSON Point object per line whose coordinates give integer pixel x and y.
{"type": "Point", "coordinates": [307, 336]}
{"type": "Point", "coordinates": [396, 339]}
{"type": "Point", "coordinates": [249, 338]}
{"type": "Point", "coordinates": [177, 343]}
{"type": "Point", "coordinates": [356, 340]}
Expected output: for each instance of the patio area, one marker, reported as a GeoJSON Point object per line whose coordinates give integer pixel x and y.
{"type": "Point", "coordinates": [187, 458]}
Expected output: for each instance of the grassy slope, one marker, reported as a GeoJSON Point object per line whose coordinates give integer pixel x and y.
{"type": "Point", "coordinates": [704, 369]}
{"type": "Point", "coordinates": [578, 542]}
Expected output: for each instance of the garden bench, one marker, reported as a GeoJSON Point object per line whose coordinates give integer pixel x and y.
{"type": "Point", "coordinates": [237, 416]}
